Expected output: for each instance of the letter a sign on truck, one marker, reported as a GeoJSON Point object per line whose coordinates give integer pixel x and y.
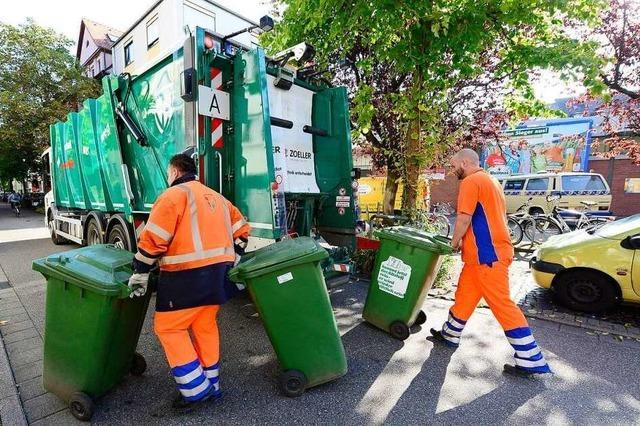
{"type": "Point", "coordinates": [213, 103]}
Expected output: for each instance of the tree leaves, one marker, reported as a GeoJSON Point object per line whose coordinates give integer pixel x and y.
{"type": "Point", "coordinates": [40, 82]}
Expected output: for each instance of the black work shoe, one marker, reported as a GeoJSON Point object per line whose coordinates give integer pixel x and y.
{"type": "Point", "coordinates": [519, 372]}
{"type": "Point", "coordinates": [182, 404]}
{"type": "Point", "coordinates": [438, 337]}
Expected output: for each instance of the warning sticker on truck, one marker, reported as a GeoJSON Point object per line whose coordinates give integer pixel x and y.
{"type": "Point", "coordinates": [343, 201]}
{"type": "Point", "coordinates": [394, 276]}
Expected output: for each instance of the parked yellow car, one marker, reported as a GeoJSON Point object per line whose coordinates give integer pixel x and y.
{"type": "Point", "coordinates": [592, 270]}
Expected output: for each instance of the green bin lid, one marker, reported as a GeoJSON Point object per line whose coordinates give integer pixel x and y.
{"type": "Point", "coordinates": [102, 268]}
{"type": "Point", "coordinates": [416, 238]}
{"type": "Point", "coordinates": [283, 254]}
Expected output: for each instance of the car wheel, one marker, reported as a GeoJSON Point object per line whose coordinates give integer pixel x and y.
{"type": "Point", "coordinates": [586, 291]}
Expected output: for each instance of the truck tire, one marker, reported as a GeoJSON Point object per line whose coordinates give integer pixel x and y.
{"type": "Point", "coordinates": [94, 232]}
{"type": "Point", "coordinates": [119, 237]}
{"type": "Point", "coordinates": [55, 238]}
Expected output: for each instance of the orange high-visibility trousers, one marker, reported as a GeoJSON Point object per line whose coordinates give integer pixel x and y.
{"type": "Point", "coordinates": [194, 359]}
{"type": "Point", "coordinates": [492, 284]}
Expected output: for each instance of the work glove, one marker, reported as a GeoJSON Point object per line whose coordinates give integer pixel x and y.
{"type": "Point", "coordinates": [138, 284]}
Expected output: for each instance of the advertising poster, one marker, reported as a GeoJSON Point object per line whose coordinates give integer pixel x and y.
{"type": "Point", "coordinates": [553, 145]}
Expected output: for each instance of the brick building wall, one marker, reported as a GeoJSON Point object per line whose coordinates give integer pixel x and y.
{"type": "Point", "coordinates": [445, 191]}
{"type": "Point", "coordinates": [615, 171]}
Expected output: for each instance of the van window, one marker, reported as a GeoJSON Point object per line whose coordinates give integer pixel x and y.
{"type": "Point", "coordinates": [538, 184]}
{"type": "Point", "coordinates": [583, 183]}
{"type": "Point", "coordinates": [514, 185]}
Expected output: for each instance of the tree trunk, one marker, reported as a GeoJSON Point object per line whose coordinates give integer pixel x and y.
{"type": "Point", "coordinates": [390, 189]}
{"type": "Point", "coordinates": [412, 171]}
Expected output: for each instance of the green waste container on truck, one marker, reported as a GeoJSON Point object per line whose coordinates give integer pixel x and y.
{"type": "Point", "coordinates": [286, 283]}
{"type": "Point", "coordinates": [406, 266]}
{"type": "Point", "coordinates": [91, 324]}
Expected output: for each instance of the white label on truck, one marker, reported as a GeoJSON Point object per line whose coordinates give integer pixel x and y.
{"type": "Point", "coordinates": [394, 276]}
{"type": "Point", "coordinates": [213, 103]}
{"type": "Point", "coordinates": [285, 278]}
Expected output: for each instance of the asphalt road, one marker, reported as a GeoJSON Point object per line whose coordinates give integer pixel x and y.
{"type": "Point", "coordinates": [389, 382]}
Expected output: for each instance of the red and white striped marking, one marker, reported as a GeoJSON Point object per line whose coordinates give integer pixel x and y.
{"type": "Point", "coordinates": [341, 267]}
{"type": "Point", "coordinates": [216, 123]}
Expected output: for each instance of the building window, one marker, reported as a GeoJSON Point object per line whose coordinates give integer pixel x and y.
{"type": "Point", "coordinates": [153, 31]}
{"type": "Point", "coordinates": [128, 53]}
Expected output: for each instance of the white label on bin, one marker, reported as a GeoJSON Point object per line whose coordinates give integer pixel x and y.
{"type": "Point", "coordinates": [394, 276]}
{"type": "Point", "coordinates": [285, 278]}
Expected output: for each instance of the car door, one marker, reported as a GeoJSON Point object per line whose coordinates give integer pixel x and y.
{"type": "Point", "coordinates": [635, 272]}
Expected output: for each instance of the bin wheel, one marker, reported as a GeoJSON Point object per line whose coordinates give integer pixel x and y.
{"type": "Point", "coordinates": [293, 383]}
{"type": "Point", "coordinates": [138, 365]}
{"type": "Point", "coordinates": [81, 406]}
{"type": "Point", "coordinates": [421, 318]}
{"type": "Point", "coordinates": [399, 330]}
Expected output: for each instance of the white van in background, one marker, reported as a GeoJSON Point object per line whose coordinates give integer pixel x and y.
{"type": "Point", "coordinates": [574, 188]}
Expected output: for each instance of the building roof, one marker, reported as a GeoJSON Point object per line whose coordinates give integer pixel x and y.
{"type": "Point", "coordinates": [103, 35]}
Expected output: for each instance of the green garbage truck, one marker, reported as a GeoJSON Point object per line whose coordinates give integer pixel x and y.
{"type": "Point", "coordinates": [273, 139]}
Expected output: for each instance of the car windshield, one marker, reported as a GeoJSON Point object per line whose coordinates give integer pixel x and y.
{"type": "Point", "coordinates": [627, 225]}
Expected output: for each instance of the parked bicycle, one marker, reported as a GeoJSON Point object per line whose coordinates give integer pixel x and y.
{"type": "Point", "coordinates": [561, 220]}
{"type": "Point", "coordinates": [436, 220]}
{"type": "Point", "coordinates": [521, 224]}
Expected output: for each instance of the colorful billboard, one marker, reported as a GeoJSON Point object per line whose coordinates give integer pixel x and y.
{"type": "Point", "coordinates": [538, 146]}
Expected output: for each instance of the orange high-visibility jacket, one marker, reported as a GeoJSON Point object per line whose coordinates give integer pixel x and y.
{"type": "Point", "coordinates": [190, 233]}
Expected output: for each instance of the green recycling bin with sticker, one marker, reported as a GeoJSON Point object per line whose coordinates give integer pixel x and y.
{"type": "Point", "coordinates": [91, 324]}
{"type": "Point", "coordinates": [287, 286]}
{"type": "Point", "coordinates": [406, 266]}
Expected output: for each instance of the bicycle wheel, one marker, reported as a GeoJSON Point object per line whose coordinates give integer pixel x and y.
{"type": "Point", "coordinates": [594, 222]}
{"type": "Point", "coordinates": [515, 231]}
{"type": "Point", "coordinates": [540, 229]}
{"type": "Point", "coordinates": [441, 225]}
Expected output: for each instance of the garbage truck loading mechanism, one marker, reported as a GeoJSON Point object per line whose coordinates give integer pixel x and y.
{"type": "Point", "coordinates": [277, 146]}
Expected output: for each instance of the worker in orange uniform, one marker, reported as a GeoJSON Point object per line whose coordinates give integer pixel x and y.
{"type": "Point", "coordinates": [482, 235]}
{"type": "Point", "coordinates": [191, 234]}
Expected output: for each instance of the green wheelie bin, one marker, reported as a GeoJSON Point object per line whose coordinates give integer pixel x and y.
{"type": "Point", "coordinates": [288, 289]}
{"type": "Point", "coordinates": [91, 324]}
{"type": "Point", "coordinates": [406, 266]}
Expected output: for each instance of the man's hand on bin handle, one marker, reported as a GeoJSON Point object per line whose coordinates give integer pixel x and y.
{"type": "Point", "coordinates": [138, 284]}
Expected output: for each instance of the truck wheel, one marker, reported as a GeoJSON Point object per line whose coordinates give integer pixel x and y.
{"type": "Point", "coordinates": [138, 365]}
{"type": "Point", "coordinates": [94, 234]}
{"type": "Point", "coordinates": [119, 237]}
{"type": "Point", "coordinates": [55, 238]}
{"type": "Point", "coordinates": [81, 406]}
{"type": "Point", "coordinates": [293, 383]}
{"type": "Point", "coordinates": [586, 291]}
{"type": "Point", "coordinates": [399, 330]}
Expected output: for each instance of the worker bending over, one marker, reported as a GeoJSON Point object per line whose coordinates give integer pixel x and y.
{"type": "Point", "coordinates": [481, 233]}
{"type": "Point", "coordinates": [191, 234]}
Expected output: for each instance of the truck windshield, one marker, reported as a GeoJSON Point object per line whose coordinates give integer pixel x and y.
{"type": "Point", "coordinates": [620, 228]}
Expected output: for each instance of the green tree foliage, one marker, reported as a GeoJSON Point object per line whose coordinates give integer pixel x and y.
{"type": "Point", "coordinates": [454, 58]}
{"type": "Point", "coordinates": [40, 82]}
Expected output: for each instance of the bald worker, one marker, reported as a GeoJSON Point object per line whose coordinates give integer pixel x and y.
{"type": "Point", "coordinates": [481, 233]}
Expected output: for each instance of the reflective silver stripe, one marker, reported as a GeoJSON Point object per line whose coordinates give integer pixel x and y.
{"type": "Point", "coordinates": [529, 353]}
{"type": "Point", "coordinates": [144, 259]}
{"type": "Point", "coordinates": [451, 331]}
{"type": "Point", "coordinates": [216, 386]}
{"type": "Point", "coordinates": [455, 340]}
{"type": "Point", "coordinates": [239, 224]}
{"type": "Point", "coordinates": [455, 323]}
{"type": "Point", "coordinates": [530, 364]}
{"type": "Point", "coordinates": [189, 377]}
{"type": "Point", "coordinates": [521, 340]}
{"type": "Point", "coordinates": [193, 212]}
{"type": "Point", "coordinates": [152, 227]}
{"type": "Point", "coordinates": [197, 390]}
{"type": "Point", "coordinates": [212, 374]}
{"type": "Point", "coordinates": [200, 255]}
